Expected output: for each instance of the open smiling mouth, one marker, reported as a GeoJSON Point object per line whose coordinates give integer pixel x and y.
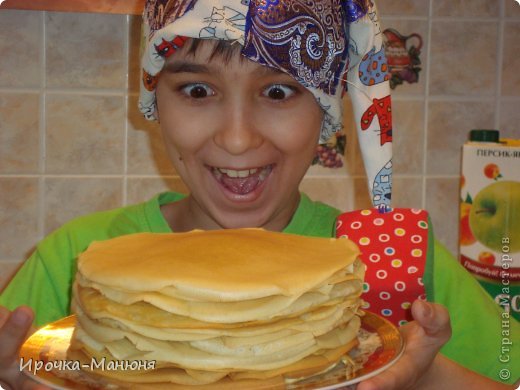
{"type": "Point", "coordinates": [241, 182]}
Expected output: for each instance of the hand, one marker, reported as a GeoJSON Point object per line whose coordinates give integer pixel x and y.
{"type": "Point", "coordinates": [423, 337]}
{"type": "Point", "coordinates": [14, 328]}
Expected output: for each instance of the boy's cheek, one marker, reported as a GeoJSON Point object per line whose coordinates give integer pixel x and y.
{"type": "Point", "coordinates": [290, 134]}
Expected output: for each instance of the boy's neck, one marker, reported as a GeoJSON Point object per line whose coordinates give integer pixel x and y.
{"type": "Point", "coordinates": [185, 215]}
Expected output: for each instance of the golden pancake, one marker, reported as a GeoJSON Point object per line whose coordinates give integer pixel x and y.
{"type": "Point", "coordinates": [217, 307]}
{"type": "Point", "coordinates": [224, 265]}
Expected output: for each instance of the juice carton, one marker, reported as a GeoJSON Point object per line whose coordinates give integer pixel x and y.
{"type": "Point", "coordinates": [489, 231]}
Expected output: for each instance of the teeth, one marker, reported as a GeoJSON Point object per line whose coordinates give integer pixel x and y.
{"type": "Point", "coordinates": [235, 173]}
{"type": "Point", "coordinates": [264, 174]}
{"type": "Point", "coordinates": [230, 172]}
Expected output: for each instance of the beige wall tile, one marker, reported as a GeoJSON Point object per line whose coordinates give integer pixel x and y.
{"type": "Point", "coordinates": [407, 192]}
{"type": "Point", "coordinates": [404, 7]}
{"type": "Point", "coordinates": [463, 8]}
{"type": "Point", "coordinates": [343, 192]}
{"type": "Point", "coordinates": [8, 268]}
{"type": "Point", "coordinates": [134, 62]}
{"type": "Point", "coordinates": [353, 192]}
{"type": "Point", "coordinates": [463, 58]}
{"type": "Point", "coordinates": [19, 133]}
{"type": "Point", "coordinates": [142, 189]}
{"type": "Point", "coordinates": [511, 60]}
{"type": "Point", "coordinates": [84, 134]}
{"type": "Point", "coordinates": [449, 123]}
{"type": "Point", "coordinates": [146, 152]}
{"type": "Point", "coordinates": [362, 198]}
{"type": "Point", "coordinates": [354, 165]}
{"type": "Point", "coordinates": [18, 216]}
{"type": "Point", "coordinates": [442, 202]}
{"type": "Point", "coordinates": [353, 159]}
{"type": "Point", "coordinates": [20, 48]}
{"type": "Point", "coordinates": [319, 171]}
{"type": "Point", "coordinates": [510, 119]}
{"type": "Point", "coordinates": [511, 9]}
{"type": "Point", "coordinates": [67, 198]}
{"type": "Point", "coordinates": [408, 137]}
{"type": "Point", "coordinates": [85, 50]}
{"type": "Point", "coordinates": [336, 192]}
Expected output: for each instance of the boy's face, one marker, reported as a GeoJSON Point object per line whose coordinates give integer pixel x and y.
{"type": "Point", "coordinates": [240, 135]}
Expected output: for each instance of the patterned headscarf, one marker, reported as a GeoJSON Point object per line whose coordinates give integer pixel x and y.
{"type": "Point", "coordinates": [329, 46]}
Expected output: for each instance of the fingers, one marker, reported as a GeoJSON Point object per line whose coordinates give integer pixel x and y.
{"type": "Point", "coordinates": [30, 385]}
{"type": "Point", "coordinates": [403, 375]}
{"type": "Point", "coordinates": [13, 332]}
{"type": "Point", "coordinates": [24, 384]}
{"type": "Point", "coordinates": [433, 318]}
{"type": "Point", "coordinates": [4, 315]}
{"type": "Point", "coordinates": [424, 336]}
{"type": "Point", "coordinates": [14, 327]}
{"type": "Point", "coordinates": [384, 381]}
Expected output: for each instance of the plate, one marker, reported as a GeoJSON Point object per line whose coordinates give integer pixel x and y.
{"type": "Point", "coordinates": [45, 351]}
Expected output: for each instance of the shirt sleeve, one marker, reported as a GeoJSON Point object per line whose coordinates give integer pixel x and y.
{"type": "Point", "coordinates": [482, 333]}
{"type": "Point", "coordinates": [44, 280]}
{"type": "Point", "coordinates": [33, 286]}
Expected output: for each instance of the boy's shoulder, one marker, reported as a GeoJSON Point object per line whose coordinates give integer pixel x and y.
{"type": "Point", "coordinates": [139, 217]}
{"type": "Point", "coordinates": [313, 218]}
{"type": "Point", "coordinates": [125, 217]}
{"type": "Point", "coordinates": [79, 232]}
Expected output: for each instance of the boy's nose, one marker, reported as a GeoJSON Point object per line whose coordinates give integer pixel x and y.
{"type": "Point", "coordinates": [237, 132]}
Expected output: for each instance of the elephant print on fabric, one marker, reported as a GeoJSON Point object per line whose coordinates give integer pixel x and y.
{"type": "Point", "coordinates": [382, 187]}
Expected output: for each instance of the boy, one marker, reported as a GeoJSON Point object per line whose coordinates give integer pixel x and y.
{"type": "Point", "coordinates": [241, 135]}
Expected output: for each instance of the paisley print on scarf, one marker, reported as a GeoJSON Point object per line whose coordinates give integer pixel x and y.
{"type": "Point", "coordinates": [160, 13]}
{"type": "Point", "coordinates": [304, 38]}
{"type": "Point", "coordinates": [355, 9]}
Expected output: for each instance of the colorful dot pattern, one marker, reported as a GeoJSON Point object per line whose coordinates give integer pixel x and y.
{"type": "Point", "coordinates": [393, 247]}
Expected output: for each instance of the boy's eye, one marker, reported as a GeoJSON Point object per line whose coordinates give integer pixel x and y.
{"type": "Point", "coordinates": [197, 91]}
{"type": "Point", "coordinates": [279, 92]}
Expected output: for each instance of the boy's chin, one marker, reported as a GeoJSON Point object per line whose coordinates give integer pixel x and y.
{"type": "Point", "coordinates": [268, 212]}
{"type": "Point", "coordinates": [256, 218]}
{"type": "Point", "coordinates": [243, 222]}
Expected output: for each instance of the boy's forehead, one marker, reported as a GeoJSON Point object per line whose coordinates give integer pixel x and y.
{"type": "Point", "coordinates": [204, 59]}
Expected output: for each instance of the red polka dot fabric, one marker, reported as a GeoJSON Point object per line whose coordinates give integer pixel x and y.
{"type": "Point", "coordinates": [393, 247]}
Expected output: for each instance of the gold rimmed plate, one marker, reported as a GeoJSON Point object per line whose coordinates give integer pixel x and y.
{"type": "Point", "coordinates": [45, 351]}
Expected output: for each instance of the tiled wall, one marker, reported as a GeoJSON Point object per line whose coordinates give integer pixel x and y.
{"type": "Point", "coordinates": [72, 141]}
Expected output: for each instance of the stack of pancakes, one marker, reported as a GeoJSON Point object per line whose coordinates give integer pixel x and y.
{"type": "Point", "coordinates": [217, 307]}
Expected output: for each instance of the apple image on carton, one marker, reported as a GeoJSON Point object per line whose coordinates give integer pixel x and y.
{"type": "Point", "coordinates": [465, 235]}
{"type": "Point", "coordinates": [495, 215]}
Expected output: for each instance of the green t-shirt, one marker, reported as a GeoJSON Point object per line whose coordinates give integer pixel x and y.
{"type": "Point", "coordinates": [44, 281]}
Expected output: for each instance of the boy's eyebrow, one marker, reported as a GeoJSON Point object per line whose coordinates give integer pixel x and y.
{"type": "Point", "coordinates": [186, 67]}
{"type": "Point", "coordinates": [193, 67]}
